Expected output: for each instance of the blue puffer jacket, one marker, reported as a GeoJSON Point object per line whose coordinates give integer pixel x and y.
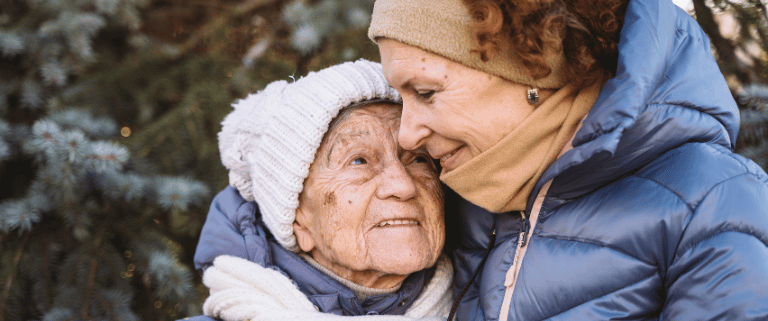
{"type": "Point", "coordinates": [234, 227]}
{"type": "Point", "coordinates": [650, 216]}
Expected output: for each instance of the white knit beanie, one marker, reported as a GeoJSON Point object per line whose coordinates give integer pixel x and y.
{"type": "Point", "coordinates": [268, 142]}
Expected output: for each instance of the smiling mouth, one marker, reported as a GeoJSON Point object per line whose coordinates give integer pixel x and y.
{"type": "Point", "coordinates": [447, 161]}
{"type": "Point", "coordinates": [450, 154]}
{"type": "Point", "coordinates": [397, 223]}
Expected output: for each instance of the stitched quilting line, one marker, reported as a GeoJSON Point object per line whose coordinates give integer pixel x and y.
{"type": "Point", "coordinates": [602, 296]}
{"type": "Point", "coordinates": [692, 107]}
{"type": "Point", "coordinates": [691, 215]}
{"type": "Point", "coordinates": [692, 207]}
{"type": "Point", "coordinates": [719, 233]}
{"type": "Point", "coordinates": [595, 243]}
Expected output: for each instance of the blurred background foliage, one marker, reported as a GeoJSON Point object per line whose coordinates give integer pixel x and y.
{"type": "Point", "coordinates": [738, 31]}
{"type": "Point", "coordinates": [109, 111]}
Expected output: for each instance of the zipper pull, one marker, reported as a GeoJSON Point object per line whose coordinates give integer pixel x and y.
{"type": "Point", "coordinates": [525, 228]}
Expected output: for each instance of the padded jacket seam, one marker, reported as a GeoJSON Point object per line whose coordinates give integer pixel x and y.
{"type": "Point", "coordinates": [693, 107]}
{"type": "Point", "coordinates": [718, 233]}
{"type": "Point", "coordinates": [680, 197]}
{"type": "Point", "coordinates": [721, 232]}
{"type": "Point", "coordinates": [692, 207]}
{"type": "Point", "coordinates": [679, 251]}
{"type": "Point", "coordinates": [595, 243]}
{"type": "Point", "coordinates": [602, 296]}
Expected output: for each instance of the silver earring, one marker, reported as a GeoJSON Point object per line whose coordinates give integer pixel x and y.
{"type": "Point", "coordinates": [533, 96]}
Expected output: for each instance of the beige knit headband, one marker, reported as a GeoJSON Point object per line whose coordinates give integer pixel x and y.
{"type": "Point", "coordinates": [444, 27]}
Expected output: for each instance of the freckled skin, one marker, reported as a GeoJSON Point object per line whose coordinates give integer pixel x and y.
{"type": "Point", "coordinates": [449, 108]}
{"type": "Point", "coordinates": [330, 198]}
{"type": "Point", "coordinates": [372, 180]}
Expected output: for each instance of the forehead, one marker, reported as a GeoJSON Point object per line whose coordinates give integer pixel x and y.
{"type": "Point", "coordinates": [393, 50]}
{"type": "Point", "coordinates": [383, 114]}
{"type": "Point", "coordinates": [368, 123]}
{"type": "Point", "coordinates": [401, 61]}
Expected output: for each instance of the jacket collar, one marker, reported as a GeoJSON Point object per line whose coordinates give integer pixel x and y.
{"type": "Point", "coordinates": [331, 296]}
{"type": "Point", "coordinates": [234, 227]}
{"type": "Point", "coordinates": [668, 90]}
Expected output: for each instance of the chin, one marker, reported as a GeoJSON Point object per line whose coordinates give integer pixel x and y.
{"type": "Point", "coordinates": [406, 260]}
{"type": "Point", "coordinates": [402, 251]}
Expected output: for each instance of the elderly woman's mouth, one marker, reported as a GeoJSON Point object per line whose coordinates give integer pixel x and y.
{"type": "Point", "coordinates": [398, 223]}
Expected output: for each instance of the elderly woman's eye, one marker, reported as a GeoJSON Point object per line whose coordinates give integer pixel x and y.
{"type": "Point", "coordinates": [358, 161]}
{"type": "Point", "coordinates": [421, 159]}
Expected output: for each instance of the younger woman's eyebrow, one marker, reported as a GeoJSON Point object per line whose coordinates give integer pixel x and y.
{"type": "Point", "coordinates": [344, 137]}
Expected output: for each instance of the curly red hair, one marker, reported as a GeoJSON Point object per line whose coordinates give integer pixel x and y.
{"type": "Point", "coordinates": [586, 31]}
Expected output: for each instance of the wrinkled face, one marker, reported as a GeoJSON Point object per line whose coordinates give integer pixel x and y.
{"type": "Point", "coordinates": [457, 112]}
{"type": "Point", "coordinates": [370, 208]}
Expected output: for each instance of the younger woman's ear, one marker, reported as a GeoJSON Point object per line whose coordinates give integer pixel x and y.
{"type": "Point", "coordinates": [302, 233]}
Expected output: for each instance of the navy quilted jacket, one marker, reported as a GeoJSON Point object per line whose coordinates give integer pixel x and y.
{"type": "Point", "coordinates": [234, 227]}
{"type": "Point", "coordinates": [651, 216]}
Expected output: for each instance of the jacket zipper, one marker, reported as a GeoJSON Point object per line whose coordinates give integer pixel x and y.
{"type": "Point", "coordinates": [522, 242]}
{"type": "Point", "coordinates": [525, 230]}
{"type": "Point", "coordinates": [528, 222]}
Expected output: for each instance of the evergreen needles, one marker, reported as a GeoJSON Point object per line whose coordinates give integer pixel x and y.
{"type": "Point", "coordinates": [108, 149]}
{"type": "Point", "coordinates": [79, 231]}
{"type": "Point", "coordinates": [753, 133]}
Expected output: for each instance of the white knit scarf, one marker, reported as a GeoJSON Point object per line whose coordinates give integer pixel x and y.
{"type": "Point", "coordinates": [242, 290]}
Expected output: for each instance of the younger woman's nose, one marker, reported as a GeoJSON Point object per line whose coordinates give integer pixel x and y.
{"type": "Point", "coordinates": [413, 132]}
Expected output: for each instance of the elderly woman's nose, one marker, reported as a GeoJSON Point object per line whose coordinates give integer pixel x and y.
{"type": "Point", "coordinates": [413, 132]}
{"type": "Point", "coordinates": [396, 182]}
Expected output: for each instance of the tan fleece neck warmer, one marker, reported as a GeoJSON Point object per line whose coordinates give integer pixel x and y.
{"type": "Point", "coordinates": [444, 27]}
{"type": "Point", "coordinates": [502, 178]}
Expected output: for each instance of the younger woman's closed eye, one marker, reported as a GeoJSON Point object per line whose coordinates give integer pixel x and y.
{"type": "Point", "coordinates": [425, 94]}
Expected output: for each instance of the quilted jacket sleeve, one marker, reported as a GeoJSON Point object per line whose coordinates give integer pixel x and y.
{"type": "Point", "coordinates": [719, 270]}
{"type": "Point", "coordinates": [231, 229]}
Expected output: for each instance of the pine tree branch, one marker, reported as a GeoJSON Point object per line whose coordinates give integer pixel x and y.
{"type": "Point", "coordinates": [9, 281]}
{"type": "Point", "coordinates": [108, 306]}
{"type": "Point", "coordinates": [760, 5]}
{"type": "Point", "coordinates": [147, 282]}
{"type": "Point", "coordinates": [155, 134]}
{"type": "Point", "coordinates": [726, 50]}
{"type": "Point", "coordinates": [191, 128]}
{"type": "Point", "coordinates": [89, 289]}
{"type": "Point", "coordinates": [745, 21]}
{"type": "Point", "coordinates": [218, 22]}
{"type": "Point", "coordinates": [762, 28]}
{"type": "Point", "coordinates": [46, 272]}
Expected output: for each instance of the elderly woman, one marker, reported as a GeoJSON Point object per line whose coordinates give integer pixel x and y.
{"type": "Point", "coordinates": [326, 215]}
{"type": "Point", "coordinates": [590, 144]}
